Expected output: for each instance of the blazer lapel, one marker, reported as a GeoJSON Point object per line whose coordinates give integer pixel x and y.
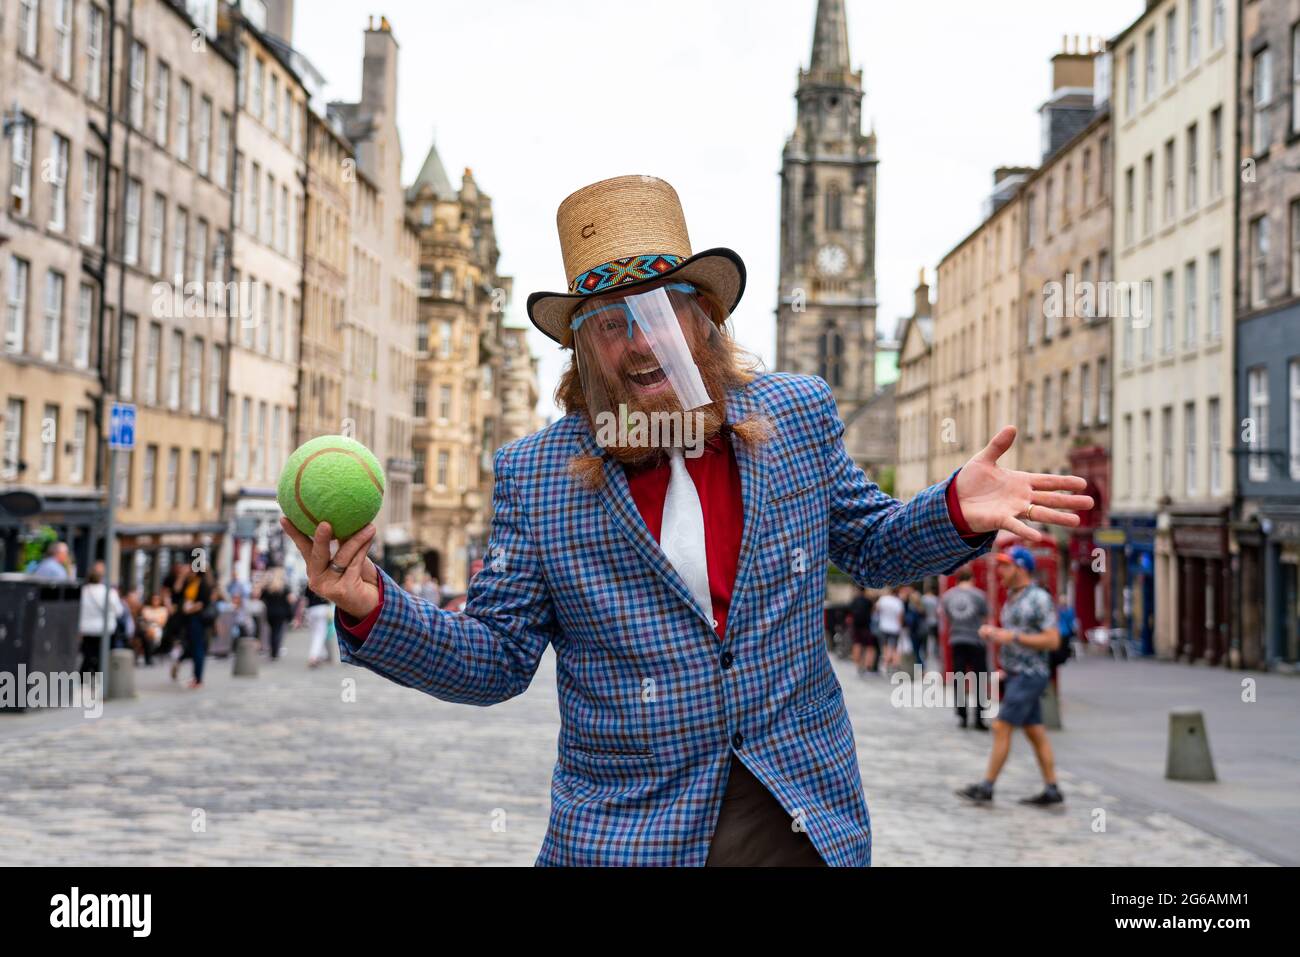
{"type": "Point", "coordinates": [617, 500]}
{"type": "Point", "coordinates": [753, 489]}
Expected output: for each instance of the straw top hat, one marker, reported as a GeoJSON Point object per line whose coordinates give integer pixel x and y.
{"type": "Point", "coordinates": [625, 232]}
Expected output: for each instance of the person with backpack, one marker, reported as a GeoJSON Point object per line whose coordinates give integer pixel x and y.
{"type": "Point", "coordinates": [1067, 623]}
{"type": "Point", "coordinates": [1027, 636]}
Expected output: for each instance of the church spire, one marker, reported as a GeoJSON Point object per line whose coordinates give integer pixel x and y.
{"type": "Point", "coordinates": [830, 51]}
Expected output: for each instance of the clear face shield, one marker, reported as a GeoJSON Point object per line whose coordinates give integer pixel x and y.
{"type": "Point", "coordinates": [637, 367]}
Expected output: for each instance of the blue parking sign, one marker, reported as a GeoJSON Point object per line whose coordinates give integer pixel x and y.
{"type": "Point", "coordinates": [121, 426]}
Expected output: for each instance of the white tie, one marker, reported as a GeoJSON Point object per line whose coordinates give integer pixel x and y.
{"type": "Point", "coordinates": [682, 533]}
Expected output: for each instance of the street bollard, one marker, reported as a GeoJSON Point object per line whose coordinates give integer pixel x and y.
{"type": "Point", "coordinates": [1051, 705]}
{"type": "Point", "coordinates": [1189, 748]}
{"type": "Point", "coordinates": [121, 673]}
{"type": "Point", "coordinates": [246, 657]}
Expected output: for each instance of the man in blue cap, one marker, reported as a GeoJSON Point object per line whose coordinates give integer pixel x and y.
{"type": "Point", "coordinates": [1028, 634]}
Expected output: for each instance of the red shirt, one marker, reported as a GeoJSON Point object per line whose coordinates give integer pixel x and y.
{"type": "Point", "coordinates": [717, 480]}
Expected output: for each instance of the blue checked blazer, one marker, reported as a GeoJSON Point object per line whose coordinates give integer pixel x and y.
{"type": "Point", "coordinates": [653, 705]}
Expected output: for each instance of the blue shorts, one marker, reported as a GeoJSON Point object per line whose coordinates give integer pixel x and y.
{"type": "Point", "coordinates": [1021, 702]}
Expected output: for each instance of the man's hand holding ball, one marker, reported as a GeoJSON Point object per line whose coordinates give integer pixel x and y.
{"type": "Point", "coordinates": [334, 485]}
{"type": "Point", "coordinates": [355, 589]}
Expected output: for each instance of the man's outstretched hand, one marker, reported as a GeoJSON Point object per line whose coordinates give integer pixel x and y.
{"type": "Point", "coordinates": [993, 497]}
{"type": "Point", "coordinates": [354, 590]}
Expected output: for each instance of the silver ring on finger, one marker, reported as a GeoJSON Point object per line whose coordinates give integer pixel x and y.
{"type": "Point", "coordinates": [335, 566]}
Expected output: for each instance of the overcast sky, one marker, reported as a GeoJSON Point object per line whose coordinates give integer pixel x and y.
{"type": "Point", "coordinates": [540, 99]}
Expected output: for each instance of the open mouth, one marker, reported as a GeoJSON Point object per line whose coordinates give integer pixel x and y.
{"type": "Point", "coordinates": [648, 377]}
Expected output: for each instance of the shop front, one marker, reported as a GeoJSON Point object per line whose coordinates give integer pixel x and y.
{"type": "Point", "coordinates": [1269, 603]}
{"type": "Point", "coordinates": [1129, 541]}
{"type": "Point", "coordinates": [77, 520]}
{"type": "Point", "coordinates": [148, 553]}
{"type": "Point", "coordinates": [1203, 568]}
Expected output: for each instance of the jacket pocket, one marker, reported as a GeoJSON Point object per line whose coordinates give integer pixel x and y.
{"type": "Point", "coordinates": [818, 704]}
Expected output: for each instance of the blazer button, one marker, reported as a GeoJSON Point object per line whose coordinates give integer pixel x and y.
{"type": "Point", "coordinates": [727, 659]}
{"type": "Point", "coordinates": [737, 740]}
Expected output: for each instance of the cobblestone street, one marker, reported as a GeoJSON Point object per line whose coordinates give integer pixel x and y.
{"type": "Point", "coordinates": [281, 769]}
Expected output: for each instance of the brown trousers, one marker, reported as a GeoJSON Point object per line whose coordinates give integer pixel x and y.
{"type": "Point", "coordinates": [753, 829]}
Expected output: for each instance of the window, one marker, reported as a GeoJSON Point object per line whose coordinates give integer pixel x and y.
{"type": "Point", "coordinates": [282, 224]}
{"type": "Point", "coordinates": [444, 339]}
{"type": "Point", "coordinates": [196, 462]}
{"type": "Point", "coordinates": [1170, 210]}
{"type": "Point", "coordinates": [1216, 152]}
{"type": "Point", "coordinates": [157, 226]}
{"type": "Point", "coordinates": [152, 358]}
{"type": "Point", "coordinates": [122, 473]}
{"type": "Point", "coordinates": [1130, 81]}
{"type": "Point", "coordinates": [13, 448]}
{"type": "Point", "coordinates": [20, 180]}
{"type": "Point", "coordinates": [1149, 63]}
{"type": "Point", "coordinates": [1168, 304]}
{"type": "Point", "coordinates": [1257, 397]}
{"type": "Point", "coordinates": [1295, 78]}
{"type": "Point", "coordinates": [273, 104]}
{"type": "Point", "coordinates": [1193, 183]}
{"type": "Point", "coordinates": [268, 212]}
{"type": "Point", "coordinates": [135, 95]}
{"type": "Point", "coordinates": [126, 359]}
{"type": "Point", "coordinates": [442, 470]}
{"type": "Point", "coordinates": [1129, 207]}
{"type": "Point", "coordinates": [259, 447]}
{"type": "Point", "coordinates": [214, 473]}
{"type": "Point", "coordinates": [1258, 260]}
{"type": "Point", "coordinates": [245, 437]}
{"type": "Point", "coordinates": [90, 173]}
{"type": "Point", "coordinates": [447, 284]}
{"type": "Point", "coordinates": [1031, 220]}
{"type": "Point", "coordinates": [426, 281]}
{"type": "Point", "coordinates": [273, 464]}
{"type": "Point", "coordinates": [173, 477]}
{"type": "Point", "coordinates": [131, 228]}
{"type": "Point", "coordinates": [53, 324]}
{"type": "Point", "coordinates": [149, 477]}
{"type": "Point", "coordinates": [94, 52]}
{"type": "Point", "coordinates": [1214, 297]}
{"type": "Point", "coordinates": [417, 477]}
{"type": "Point", "coordinates": [180, 230]}
{"type": "Point", "coordinates": [194, 375]}
{"type": "Point", "coordinates": [1295, 247]}
{"type": "Point", "coordinates": [1148, 314]}
{"type": "Point", "coordinates": [58, 183]}
{"type": "Point", "coordinates": [1294, 372]}
{"type": "Point", "coordinates": [1214, 448]}
{"type": "Point", "coordinates": [1262, 84]}
{"type": "Point", "coordinates": [82, 325]}
{"type": "Point", "coordinates": [174, 356]}
{"type": "Point", "coordinates": [199, 264]}
{"type": "Point", "coordinates": [444, 402]}
{"type": "Point", "coordinates": [1063, 401]}
{"type": "Point", "coordinates": [1128, 455]}
{"type": "Point", "coordinates": [219, 256]}
{"type": "Point", "coordinates": [80, 427]}
{"type": "Point", "coordinates": [204, 158]}
{"type": "Point", "coordinates": [256, 94]}
{"type": "Point", "coordinates": [162, 84]}
{"type": "Point", "coordinates": [216, 357]}
{"type": "Point", "coordinates": [16, 305]}
{"type": "Point", "coordinates": [1193, 32]}
{"type": "Point", "coordinates": [1148, 194]}
{"type": "Point", "coordinates": [1049, 407]}
{"type": "Point", "coordinates": [1031, 411]}
{"type": "Point", "coordinates": [241, 76]}
{"type": "Point", "coordinates": [29, 24]}
{"type": "Point", "coordinates": [1085, 396]}
{"type": "Point", "coordinates": [420, 400]}
{"type": "Point", "coordinates": [1189, 448]}
{"type": "Point", "coordinates": [1147, 454]}
{"type": "Point", "coordinates": [1189, 305]}
{"type": "Point", "coordinates": [221, 166]}
{"type": "Point", "coordinates": [1171, 46]}
{"type": "Point", "coordinates": [184, 102]}
{"type": "Point", "coordinates": [1103, 392]}
{"type": "Point", "coordinates": [1104, 157]}
{"type": "Point", "coordinates": [1217, 21]}
{"type": "Point", "coordinates": [49, 443]}
{"type": "Point", "coordinates": [286, 113]}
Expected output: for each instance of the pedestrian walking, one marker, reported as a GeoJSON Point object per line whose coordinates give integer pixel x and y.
{"type": "Point", "coordinates": [889, 622]}
{"type": "Point", "coordinates": [279, 608]}
{"type": "Point", "coordinates": [865, 646]}
{"type": "Point", "coordinates": [95, 594]}
{"type": "Point", "coordinates": [198, 613]}
{"type": "Point", "coordinates": [1027, 635]}
{"type": "Point", "coordinates": [967, 610]}
{"type": "Point", "coordinates": [319, 612]}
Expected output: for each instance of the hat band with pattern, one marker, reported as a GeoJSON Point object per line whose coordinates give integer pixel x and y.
{"type": "Point", "coordinates": [618, 271]}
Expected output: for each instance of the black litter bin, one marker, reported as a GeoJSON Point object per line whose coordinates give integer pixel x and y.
{"type": "Point", "coordinates": [39, 626]}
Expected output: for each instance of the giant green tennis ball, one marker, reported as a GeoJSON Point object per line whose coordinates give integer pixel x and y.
{"type": "Point", "coordinates": [331, 479]}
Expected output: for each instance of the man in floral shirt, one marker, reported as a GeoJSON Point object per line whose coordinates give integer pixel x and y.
{"type": "Point", "coordinates": [1027, 635]}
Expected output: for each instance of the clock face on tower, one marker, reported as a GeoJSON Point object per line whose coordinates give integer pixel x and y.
{"type": "Point", "coordinates": [832, 259]}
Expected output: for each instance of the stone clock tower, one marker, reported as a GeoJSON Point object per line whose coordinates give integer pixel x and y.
{"type": "Point", "coordinates": [826, 303]}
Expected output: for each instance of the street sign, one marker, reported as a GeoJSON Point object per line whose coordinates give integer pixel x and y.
{"type": "Point", "coordinates": [121, 426]}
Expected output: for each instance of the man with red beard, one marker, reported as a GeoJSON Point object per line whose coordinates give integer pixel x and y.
{"type": "Point", "coordinates": [668, 538]}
